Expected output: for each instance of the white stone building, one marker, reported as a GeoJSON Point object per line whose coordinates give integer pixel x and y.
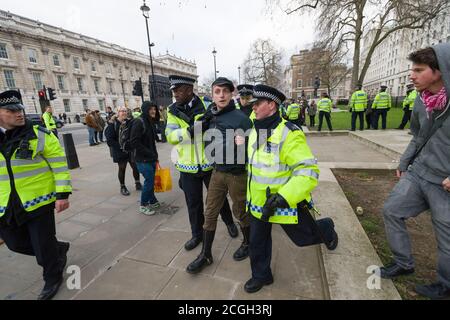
{"type": "Point", "coordinates": [85, 72]}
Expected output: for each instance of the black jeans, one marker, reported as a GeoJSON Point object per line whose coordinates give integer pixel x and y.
{"type": "Point", "coordinates": [406, 118]}
{"type": "Point", "coordinates": [312, 121]}
{"type": "Point", "coordinates": [192, 185]}
{"type": "Point", "coordinates": [383, 113]}
{"type": "Point", "coordinates": [355, 115]}
{"type": "Point", "coordinates": [37, 238]}
{"type": "Point", "coordinates": [327, 115]}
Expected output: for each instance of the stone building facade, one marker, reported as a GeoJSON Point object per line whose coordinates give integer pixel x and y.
{"type": "Point", "coordinates": [85, 72]}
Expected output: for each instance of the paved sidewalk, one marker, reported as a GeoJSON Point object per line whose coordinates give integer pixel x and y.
{"type": "Point", "coordinates": [124, 255]}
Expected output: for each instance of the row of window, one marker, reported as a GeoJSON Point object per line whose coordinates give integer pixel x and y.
{"type": "Point", "coordinates": [60, 79]}
{"type": "Point", "coordinates": [101, 104]}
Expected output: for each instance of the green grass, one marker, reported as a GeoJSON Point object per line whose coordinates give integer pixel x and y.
{"type": "Point", "coordinates": [343, 120]}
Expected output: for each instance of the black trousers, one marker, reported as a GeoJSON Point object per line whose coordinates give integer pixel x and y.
{"type": "Point", "coordinates": [192, 186]}
{"type": "Point", "coordinates": [406, 118]}
{"type": "Point", "coordinates": [369, 120]}
{"type": "Point", "coordinates": [383, 113]}
{"type": "Point", "coordinates": [307, 232]}
{"type": "Point", "coordinates": [360, 115]}
{"type": "Point", "coordinates": [312, 121]}
{"type": "Point", "coordinates": [37, 238]}
{"type": "Point", "coordinates": [327, 115]}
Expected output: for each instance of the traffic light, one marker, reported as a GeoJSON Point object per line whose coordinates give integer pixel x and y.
{"type": "Point", "coordinates": [51, 94]}
{"type": "Point", "coordinates": [137, 89]}
{"type": "Point", "coordinates": [42, 95]}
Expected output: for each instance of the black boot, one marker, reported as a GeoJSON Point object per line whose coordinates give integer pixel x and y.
{"type": "Point", "coordinates": [329, 235]}
{"type": "Point", "coordinates": [205, 258]}
{"type": "Point", "coordinates": [243, 252]}
{"type": "Point", "coordinates": [124, 191]}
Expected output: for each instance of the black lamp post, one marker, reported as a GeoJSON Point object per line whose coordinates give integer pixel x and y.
{"type": "Point", "coordinates": [34, 103]}
{"type": "Point", "coordinates": [239, 70]}
{"type": "Point", "coordinates": [215, 66]}
{"type": "Point", "coordinates": [145, 12]}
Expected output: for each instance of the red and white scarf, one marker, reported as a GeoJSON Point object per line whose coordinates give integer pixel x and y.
{"type": "Point", "coordinates": [435, 102]}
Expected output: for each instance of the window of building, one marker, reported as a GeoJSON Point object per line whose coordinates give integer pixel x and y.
{"type": "Point", "coordinates": [101, 104]}
{"type": "Point", "coordinates": [3, 52]}
{"type": "Point", "coordinates": [32, 55]}
{"type": "Point", "coordinates": [93, 66]}
{"type": "Point", "coordinates": [96, 86]}
{"type": "Point", "coordinates": [299, 83]}
{"type": "Point", "coordinates": [80, 84]}
{"type": "Point", "coordinates": [111, 87]}
{"type": "Point", "coordinates": [56, 61]}
{"type": "Point", "coordinates": [66, 105]}
{"type": "Point", "coordinates": [9, 79]}
{"type": "Point", "coordinates": [108, 68]}
{"type": "Point", "coordinates": [61, 84]}
{"type": "Point", "coordinates": [37, 80]}
{"type": "Point", "coordinates": [76, 63]}
{"type": "Point", "coordinates": [85, 104]}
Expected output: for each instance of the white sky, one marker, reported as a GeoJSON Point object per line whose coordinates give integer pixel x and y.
{"type": "Point", "coordinates": [187, 28]}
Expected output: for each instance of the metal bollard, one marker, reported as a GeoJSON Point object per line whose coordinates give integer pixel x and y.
{"type": "Point", "coordinates": [71, 152]}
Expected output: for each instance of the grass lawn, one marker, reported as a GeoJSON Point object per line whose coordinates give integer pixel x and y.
{"type": "Point", "coordinates": [343, 120]}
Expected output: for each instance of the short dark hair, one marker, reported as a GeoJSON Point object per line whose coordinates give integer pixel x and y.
{"type": "Point", "coordinates": [425, 56]}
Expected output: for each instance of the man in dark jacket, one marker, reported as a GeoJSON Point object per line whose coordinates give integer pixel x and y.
{"type": "Point", "coordinates": [143, 143]}
{"type": "Point", "coordinates": [227, 126]}
{"type": "Point", "coordinates": [424, 171]}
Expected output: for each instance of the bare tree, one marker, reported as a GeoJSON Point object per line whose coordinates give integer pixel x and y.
{"type": "Point", "coordinates": [344, 22]}
{"type": "Point", "coordinates": [263, 64]}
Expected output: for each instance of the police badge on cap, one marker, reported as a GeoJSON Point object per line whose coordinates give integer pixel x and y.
{"type": "Point", "coordinates": [269, 93]}
{"type": "Point", "coordinates": [245, 89]}
{"type": "Point", "coordinates": [11, 100]}
{"type": "Point", "coordinates": [176, 81]}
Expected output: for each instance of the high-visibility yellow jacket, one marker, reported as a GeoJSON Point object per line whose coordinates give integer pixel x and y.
{"type": "Point", "coordinates": [382, 101]}
{"type": "Point", "coordinates": [286, 165]}
{"type": "Point", "coordinates": [359, 101]}
{"type": "Point", "coordinates": [37, 180]}
{"type": "Point", "coordinates": [325, 105]}
{"type": "Point", "coordinates": [409, 101]}
{"type": "Point", "coordinates": [49, 121]}
{"type": "Point", "coordinates": [293, 111]}
{"type": "Point", "coordinates": [191, 152]}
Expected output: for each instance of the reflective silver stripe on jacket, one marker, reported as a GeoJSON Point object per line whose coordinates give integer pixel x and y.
{"type": "Point", "coordinates": [306, 163]}
{"type": "Point", "coordinates": [271, 168]}
{"type": "Point", "coordinates": [60, 170]}
{"type": "Point", "coordinates": [307, 173]}
{"type": "Point", "coordinates": [266, 180]}
{"type": "Point", "coordinates": [2, 163]}
{"type": "Point", "coordinates": [173, 127]}
{"type": "Point", "coordinates": [63, 183]}
{"type": "Point", "coordinates": [31, 173]}
{"type": "Point", "coordinates": [18, 163]}
{"type": "Point", "coordinates": [41, 141]}
{"type": "Point", "coordinates": [56, 160]}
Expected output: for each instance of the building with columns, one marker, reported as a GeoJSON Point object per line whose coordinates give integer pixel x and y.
{"type": "Point", "coordinates": [85, 72]}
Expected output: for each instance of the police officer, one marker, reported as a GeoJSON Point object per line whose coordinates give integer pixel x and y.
{"type": "Point", "coordinates": [293, 113]}
{"type": "Point", "coordinates": [195, 170]}
{"type": "Point", "coordinates": [49, 121]}
{"type": "Point", "coordinates": [324, 106]}
{"type": "Point", "coordinates": [34, 180]}
{"type": "Point", "coordinates": [358, 105]}
{"type": "Point", "coordinates": [282, 174]}
{"type": "Point", "coordinates": [381, 105]}
{"type": "Point", "coordinates": [245, 95]}
{"type": "Point", "coordinates": [408, 105]}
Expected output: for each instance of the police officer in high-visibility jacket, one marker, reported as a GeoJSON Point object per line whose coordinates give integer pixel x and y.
{"type": "Point", "coordinates": [245, 95]}
{"type": "Point", "coordinates": [324, 106]}
{"type": "Point", "coordinates": [381, 106]}
{"type": "Point", "coordinates": [282, 173]}
{"type": "Point", "coordinates": [408, 106]}
{"type": "Point", "coordinates": [195, 170]}
{"type": "Point", "coordinates": [34, 180]}
{"type": "Point", "coordinates": [293, 113]}
{"type": "Point", "coordinates": [49, 121]}
{"type": "Point", "coordinates": [358, 106]}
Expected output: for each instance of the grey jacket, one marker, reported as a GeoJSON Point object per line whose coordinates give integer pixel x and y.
{"type": "Point", "coordinates": [433, 163]}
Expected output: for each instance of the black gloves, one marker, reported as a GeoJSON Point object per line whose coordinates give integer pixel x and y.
{"type": "Point", "coordinates": [273, 202]}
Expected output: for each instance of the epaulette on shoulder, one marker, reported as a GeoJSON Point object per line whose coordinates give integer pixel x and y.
{"type": "Point", "coordinates": [45, 130]}
{"type": "Point", "coordinates": [293, 127]}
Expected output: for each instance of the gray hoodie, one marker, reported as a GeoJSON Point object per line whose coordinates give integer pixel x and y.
{"type": "Point", "coordinates": [433, 163]}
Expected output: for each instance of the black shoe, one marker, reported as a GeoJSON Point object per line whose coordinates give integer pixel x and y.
{"type": "Point", "coordinates": [394, 270]}
{"type": "Point", "coordinates": [435, 291]}
{"type": "Point", "coordinates": [92, 145]}
{"type": "Point", "coordinates": [192, 244]}
{"type": "Point", "coordinates": [232, 230]}
{"type": "Point", "coordinates": [331, 239]}
{"type": "Point", "coordinates": [138, 186]}
{"type": "Point", "coordinates": [254, 285]}
{"type": "Point", "coordinates": [244, 250]}
{"type": "Point", "coordinates": [124, 191]}
{"type": "Point", "coordinates": [50, 290]}
{"type": "Point", "coordinates": [205, 258]}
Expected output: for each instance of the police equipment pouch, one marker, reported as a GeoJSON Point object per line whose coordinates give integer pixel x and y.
{"type": "Point", "coordinates": [24, 152]}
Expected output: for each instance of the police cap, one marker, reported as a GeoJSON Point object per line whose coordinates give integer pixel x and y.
{"type": "Point", "coordinates": [11, 100]}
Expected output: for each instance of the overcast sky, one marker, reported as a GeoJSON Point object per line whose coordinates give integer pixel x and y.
{"type": "Point", "coordinates": [187, 28]}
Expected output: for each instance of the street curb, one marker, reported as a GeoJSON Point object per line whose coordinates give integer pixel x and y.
{"type": "Point", "coordinates": [376, 146]}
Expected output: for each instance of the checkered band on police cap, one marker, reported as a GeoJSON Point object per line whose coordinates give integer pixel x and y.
{"type": "Point", "coordinates": [270, 93]}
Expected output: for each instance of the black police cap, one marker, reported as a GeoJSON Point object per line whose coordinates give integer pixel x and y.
{"type": "Point", "coordinates": [245, 89]}
{"type": "Point", "coordinates": [11, 100]}
{"type": "Point", "coordinates": [266, 92]}
{"type": "Point", "coordinates": [176, 81]}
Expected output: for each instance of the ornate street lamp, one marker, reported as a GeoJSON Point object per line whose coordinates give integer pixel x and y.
{"type": "Point", "coordinates": [146, 13]}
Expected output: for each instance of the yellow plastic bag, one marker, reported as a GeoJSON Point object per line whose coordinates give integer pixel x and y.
{"type": "Point", "coordinates": [163, 179]}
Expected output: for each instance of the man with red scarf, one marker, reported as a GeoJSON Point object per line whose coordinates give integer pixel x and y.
{"type": "Point", "coordinates": [424, 171]}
